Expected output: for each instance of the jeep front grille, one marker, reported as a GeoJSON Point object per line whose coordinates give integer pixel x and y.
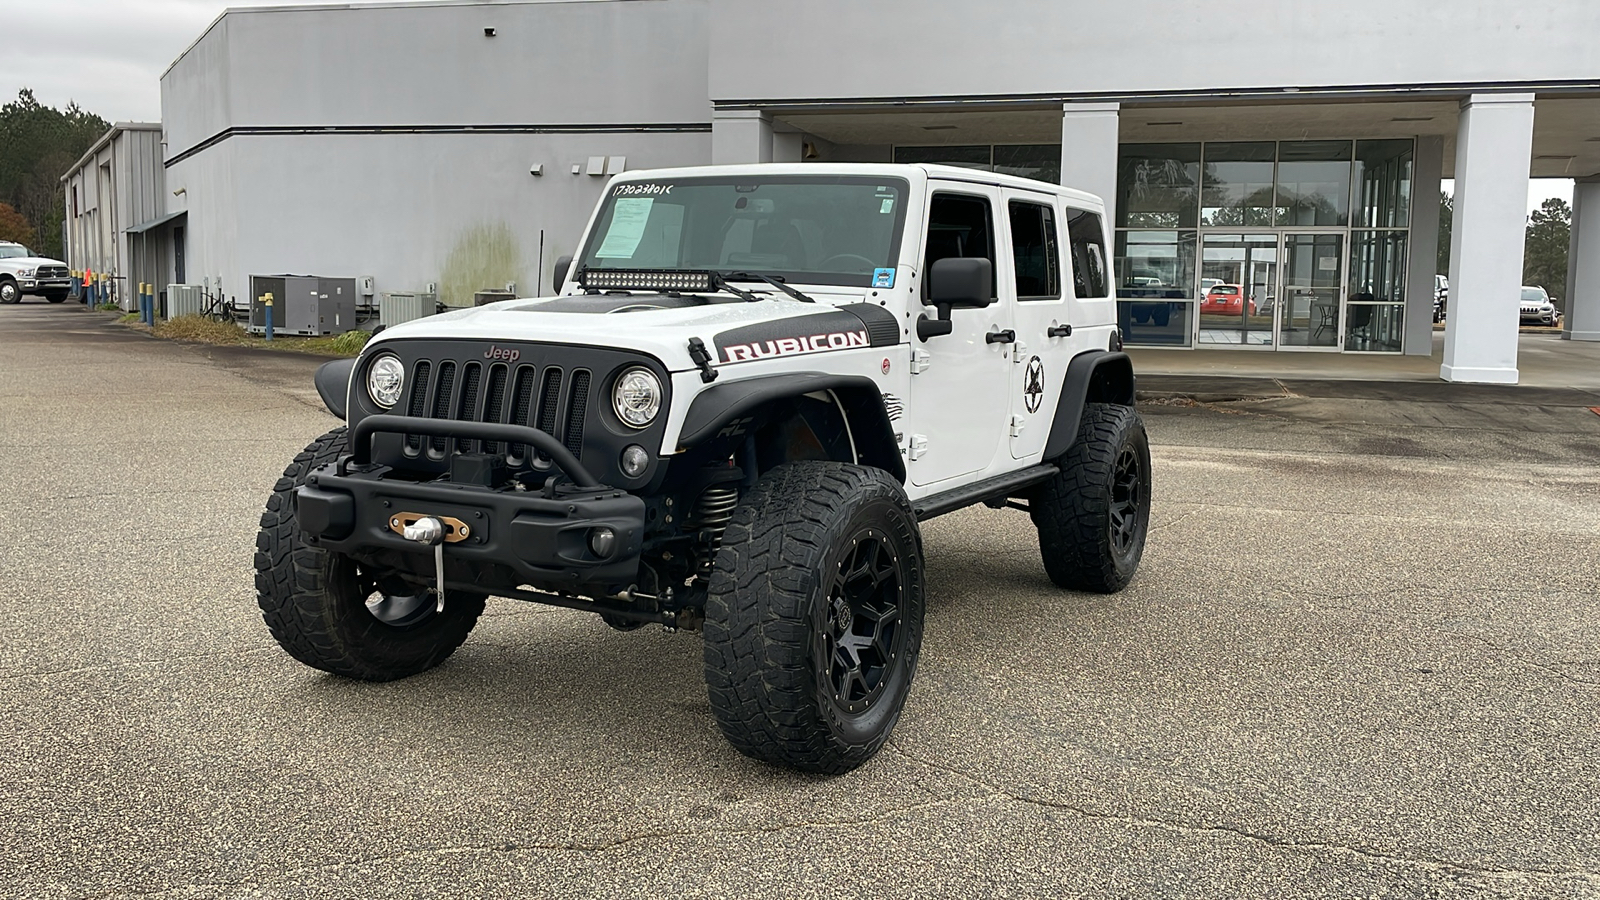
{"type": "Point", "coordinates": [546, 397]}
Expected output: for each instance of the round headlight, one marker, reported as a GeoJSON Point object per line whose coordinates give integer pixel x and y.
{"type": "Point", "coordinates": [385, 379]}
{"type": "Point", "coordinates": [637, 397]}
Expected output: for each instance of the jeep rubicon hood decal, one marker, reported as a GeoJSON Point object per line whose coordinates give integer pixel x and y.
{"type": "Point", "coordinates": [840, 328]}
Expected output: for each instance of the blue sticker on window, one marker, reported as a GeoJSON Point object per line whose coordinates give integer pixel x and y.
{"type": "Point", "coordinates": [883, 278]}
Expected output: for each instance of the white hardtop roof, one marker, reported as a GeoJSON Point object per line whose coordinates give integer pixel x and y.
{"type": "Point", "coordinates": [912, 171]}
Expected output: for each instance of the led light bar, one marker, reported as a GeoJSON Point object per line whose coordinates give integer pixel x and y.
{"type": "Point", "coordinates": [645, 280]}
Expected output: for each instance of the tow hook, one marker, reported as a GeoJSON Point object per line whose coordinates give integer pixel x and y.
{"type": "Point", "coordinates": [429, 532]}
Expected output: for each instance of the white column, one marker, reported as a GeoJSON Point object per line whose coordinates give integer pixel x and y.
{"type": "Point", "coordinates": [740, 136]}
{"type": "Point", "coordinates": [1582, 322]}
{"type": "Point", "coordinates": [1089, 150]}
{"type": "Point", "coordinates": [1429, 165]}
{"type": "Point", "coordinates": [1494, 153]}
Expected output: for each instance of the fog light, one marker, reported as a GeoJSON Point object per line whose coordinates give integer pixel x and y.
{"type": "Point", "coordinates": [634, 461]}
{"type": "Point", "coordinates": [602, 542]}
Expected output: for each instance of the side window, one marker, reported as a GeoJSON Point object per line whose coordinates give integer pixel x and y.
{"type": "Point", "coordinates": [1088, 254]}
{"type": "Point", "coordinates": [959, 225]}
{"type": "Point", "coordinates": [1035, 254]}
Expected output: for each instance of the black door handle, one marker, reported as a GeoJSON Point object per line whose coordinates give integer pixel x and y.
{"type": "Point", "coordinates": [1001, 337]}
{"type": "Point", "coordinates": [1059, 331]}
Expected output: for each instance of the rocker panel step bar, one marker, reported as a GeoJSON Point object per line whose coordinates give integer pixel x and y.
{"type": "Point", "coordinates": [1000, 486]}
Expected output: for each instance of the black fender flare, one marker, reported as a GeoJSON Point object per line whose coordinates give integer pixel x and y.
{"type": "Point", "coordinates": [333, 385]}
{"type": "Point", "coordinates": [1094, 376]}
{"type": "Point", "coordinates": [860, 397]}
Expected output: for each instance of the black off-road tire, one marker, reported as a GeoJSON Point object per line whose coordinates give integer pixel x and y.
{"type": "Point", "coordinates": [1094, 516]}
{"type": "Point", "coordinates": [314, 600]}
{"type": "Point", "coordinates": [793, 680]}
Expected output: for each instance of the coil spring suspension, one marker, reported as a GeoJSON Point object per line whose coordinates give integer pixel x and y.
{"type": "Point", "coordinates": [712, 513]}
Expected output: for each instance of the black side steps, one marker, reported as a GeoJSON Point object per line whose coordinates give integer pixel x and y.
{"type": "Point", "coordinates": [998, 487]}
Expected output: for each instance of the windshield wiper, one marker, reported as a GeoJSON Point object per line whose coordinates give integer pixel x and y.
{"type": "Point", "coordinates": [720, 282]}
{"type": "Point", "coordinates": [775, 282]}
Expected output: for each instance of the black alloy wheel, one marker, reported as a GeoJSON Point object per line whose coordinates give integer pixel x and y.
{"type": "Point", "coordinates": [861, 636]}
{"type": "Point", "coordinates": [1127, 499]}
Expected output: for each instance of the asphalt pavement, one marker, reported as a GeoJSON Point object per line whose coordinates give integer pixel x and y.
{"type": "Point", "coordinates": [1361, 659]}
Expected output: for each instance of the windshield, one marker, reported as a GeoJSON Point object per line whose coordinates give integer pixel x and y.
{"type": "Point", "coordinates": [14, 251]}
{"type": "Point", "coordinates": [835, 229]}
{"type": "Point", "coordinates": [1533, 295]}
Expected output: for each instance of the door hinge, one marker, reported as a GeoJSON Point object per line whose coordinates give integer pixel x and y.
{"type": "Point", "coordinates": [918, 447]}
{"type": "Point", "coordinates": [920, 361]}
{"type": "Point", "coordinates": [1017, 424]}
{"type": "Point", "coordinates": [1019, 352]}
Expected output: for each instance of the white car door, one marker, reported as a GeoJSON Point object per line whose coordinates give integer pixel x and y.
{"type": "Point", "coordinates": [961, 381]}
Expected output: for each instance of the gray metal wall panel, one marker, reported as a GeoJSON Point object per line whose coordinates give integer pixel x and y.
{"type": "Point", "coordinates": [846, 48]}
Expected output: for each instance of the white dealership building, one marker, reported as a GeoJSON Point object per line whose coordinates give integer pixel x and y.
{"type": "Point", "coordinates": [1287, 156]}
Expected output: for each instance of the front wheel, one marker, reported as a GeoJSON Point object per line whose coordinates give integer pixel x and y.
{"type": "Point", "coordinates": [330, 613]}
{"type": "Point", "coordinates": [814, 616]}
{"type": "Point", "coordinates": [1094, 514]}
{"type": "Point", "coordinates": [56, 298]}
{"type": "Point", "coordinates": [9, 292]}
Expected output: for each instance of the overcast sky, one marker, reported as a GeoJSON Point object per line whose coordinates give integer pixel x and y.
{"type": "Point", "coordinates": [108, 55]}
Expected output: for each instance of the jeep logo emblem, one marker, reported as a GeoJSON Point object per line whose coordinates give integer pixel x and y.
{"type": "Point", "coordinates": [496, 353]}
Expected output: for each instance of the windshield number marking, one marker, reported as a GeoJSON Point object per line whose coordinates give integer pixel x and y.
{"type": "Point", "coordinates": [642, 190]}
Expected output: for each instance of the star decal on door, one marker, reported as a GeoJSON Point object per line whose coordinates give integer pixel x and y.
{"type": "Point", "coordinates": [1033, 385]}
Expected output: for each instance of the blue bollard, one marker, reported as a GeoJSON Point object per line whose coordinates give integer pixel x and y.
{"type": "Point", "coordinates": [269, 320]}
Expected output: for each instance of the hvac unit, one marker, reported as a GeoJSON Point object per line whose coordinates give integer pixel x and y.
{"type": "Point", "coordinates": [396, 307]}
{"type": "Point", "coordinates": [303, 304]}
{"type": "Point", "coordinates": [185, 300]}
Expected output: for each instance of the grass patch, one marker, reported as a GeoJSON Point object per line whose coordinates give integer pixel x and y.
{"type": "Point", "coordinates": [201, 330]}
{"type": "Point", "coordinates": [109, 307]}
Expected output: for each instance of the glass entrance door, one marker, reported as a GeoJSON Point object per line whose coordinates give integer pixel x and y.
{"type": "Point", "coordinates": [1312, 278]}
{"type": "Point", "coordinates": [1238, 290]}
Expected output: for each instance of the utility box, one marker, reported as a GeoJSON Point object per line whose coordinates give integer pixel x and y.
{"type": "Point", "coordinates": [483, 297]}
{"type": "Point", "coordinates": [304, 304]}
{"type": "Point", "coordinates": [185, 300]}
{"type": "Point", "coordinates": [396, 307]}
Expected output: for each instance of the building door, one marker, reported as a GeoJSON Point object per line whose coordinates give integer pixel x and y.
{"type": "Point", "coordinates": [1238, 290]}
{"type": "Point", "coordinates": [177, 256]}
{"type": "Point", "coordinates": [1312, 290]}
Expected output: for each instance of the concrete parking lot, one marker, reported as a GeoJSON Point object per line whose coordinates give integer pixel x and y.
{"type": "Point", "coordinates": [1362, 658]}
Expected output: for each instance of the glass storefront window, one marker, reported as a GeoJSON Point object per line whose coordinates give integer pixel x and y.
{"type": "Point", "coordinates": [1156, 264]}
{"type": "Point", "coordinates": [1378, 266]}
{"type": "Point", "coordinates": [1374, 327]}
{"type": "Point", "coordinates": [1158, 185]}
{"type": "Point", "coordinates": [1313, 183]}
{"type": "Point", "coordinates": [1148, 323]}
{"type": "Point", "coordinates": [977, 157]}
{"type": "Point", "coordinates": [1041, 162]}
{"type": "Point", "coordinates": [1237, 187]}
{"type": "Point", "coordinates": [1383, 184]}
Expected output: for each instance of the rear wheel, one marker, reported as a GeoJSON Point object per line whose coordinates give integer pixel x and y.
{"type": "Point", "coordinates": [1094, 515]}
{"type": "Point", "coordinates": [331, 613]}
{"type": "Point", "coordinates": [814, 616]}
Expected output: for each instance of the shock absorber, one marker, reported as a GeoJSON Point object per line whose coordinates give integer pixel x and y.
{"type": "Point", "coordinates": [712, 512]}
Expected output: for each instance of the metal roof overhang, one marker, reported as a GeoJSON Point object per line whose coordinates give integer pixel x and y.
{"type": "Point", "coordinates": [155, 223]}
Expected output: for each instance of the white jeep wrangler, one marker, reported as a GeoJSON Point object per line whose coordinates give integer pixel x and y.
{"type": "Point", "coordinates": [23, 273]}
{"type": "Point", "coordinates": [748, 391]}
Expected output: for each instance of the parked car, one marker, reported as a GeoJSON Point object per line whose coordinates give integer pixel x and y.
{"type": "Point", "coordinates": [1537, 308]}
{"type": "Point", "coordinates": [1225, 299]}
{"type": "Point", "coordinates": [1441, 297]}
{"type": "Point", "coordinates": [23, 273]}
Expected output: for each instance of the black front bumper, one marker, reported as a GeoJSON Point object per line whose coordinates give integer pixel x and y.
{"type": "Point", "coordinates": [534, 535]}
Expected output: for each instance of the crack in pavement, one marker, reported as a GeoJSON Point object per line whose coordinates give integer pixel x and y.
{"type": "Point", "coordinates": [1533, 664]}
{"type": "Point", "coordinates": [1276, 842]}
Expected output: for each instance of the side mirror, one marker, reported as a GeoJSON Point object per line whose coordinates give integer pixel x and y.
{"type": "Point", "coordinates": [961, 282]}
{"type": "Point", "coordinates": [956, 283]}
{"type": "Point", "coordinates": [563, 263]}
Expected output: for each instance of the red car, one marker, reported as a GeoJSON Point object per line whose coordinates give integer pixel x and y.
{"type": "Point", "coordinates": [1225, 299]}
